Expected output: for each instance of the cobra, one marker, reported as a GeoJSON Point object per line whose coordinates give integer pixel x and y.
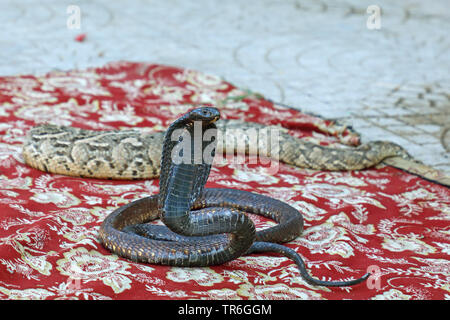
{"type": "Point", "coordinates": [203, 227]}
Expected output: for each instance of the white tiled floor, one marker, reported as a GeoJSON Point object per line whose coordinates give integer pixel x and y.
{"type": "Point", "coordinates": [318, 56]}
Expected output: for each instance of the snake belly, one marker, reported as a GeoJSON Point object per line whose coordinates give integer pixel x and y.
{"type": "Point", "coordinates": [203, 227]}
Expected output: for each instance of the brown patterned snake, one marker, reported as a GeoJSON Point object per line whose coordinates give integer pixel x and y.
{"type": "Point", "coordinates": [132, 154]}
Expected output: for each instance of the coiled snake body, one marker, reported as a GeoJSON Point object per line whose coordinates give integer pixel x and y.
{"type": "Point", "coordinates": [207, 226]}
{"type": "Point", "coordinates": [203, 226]}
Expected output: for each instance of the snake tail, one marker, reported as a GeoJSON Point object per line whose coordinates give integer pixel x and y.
{"type": "Point", "coordinates": [258, 247]}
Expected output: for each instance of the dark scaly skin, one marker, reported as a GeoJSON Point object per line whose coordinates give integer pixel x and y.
{"type": "Point", "coordinates": [204, 226]}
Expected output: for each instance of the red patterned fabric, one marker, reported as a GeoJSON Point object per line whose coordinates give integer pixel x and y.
{"type": "Point", "coordinates": [392, 222]}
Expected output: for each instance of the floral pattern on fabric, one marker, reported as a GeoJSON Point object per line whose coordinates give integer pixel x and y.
{"type": "Point", "coordinates": [383, 219]}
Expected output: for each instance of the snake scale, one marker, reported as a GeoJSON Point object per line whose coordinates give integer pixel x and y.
{"type": "Point", "coordinates": [202, 226]}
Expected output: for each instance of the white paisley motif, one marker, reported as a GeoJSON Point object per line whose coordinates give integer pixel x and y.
{"type": "Point", "coordinates": [338, 195]}
{"type": "Point", "coordinates": [202, 276]}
